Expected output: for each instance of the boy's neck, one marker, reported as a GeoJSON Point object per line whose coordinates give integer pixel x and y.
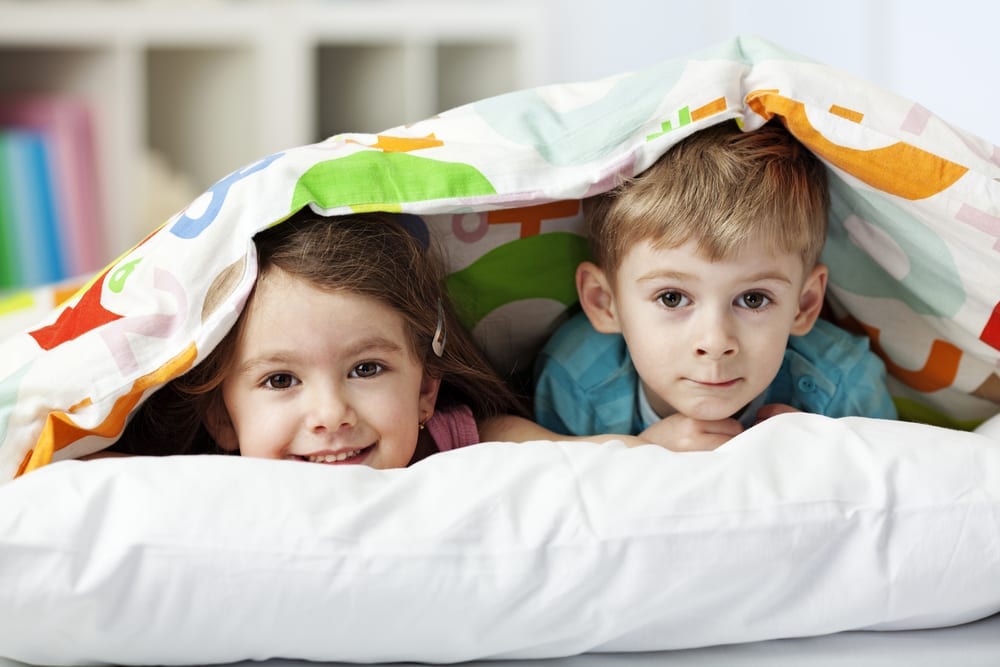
{"type": "Point", "coordinates": [647, 412]}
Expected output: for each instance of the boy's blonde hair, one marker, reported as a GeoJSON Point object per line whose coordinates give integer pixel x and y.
{"type": "Point", "coordinates": [720, 188]}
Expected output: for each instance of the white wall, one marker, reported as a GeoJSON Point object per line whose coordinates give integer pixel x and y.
{"type": "Point", "coordinates": [942, 54]}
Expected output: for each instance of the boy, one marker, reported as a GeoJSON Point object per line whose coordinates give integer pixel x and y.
{"type": "Point", "coordinates": [701, 304]}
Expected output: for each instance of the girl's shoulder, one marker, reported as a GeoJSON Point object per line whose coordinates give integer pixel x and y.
{"type": "Point", "coordinates": [453, 426]}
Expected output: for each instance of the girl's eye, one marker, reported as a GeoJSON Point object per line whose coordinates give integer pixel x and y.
{"type": "Point", "coordinates": [280, 381]}
{"type": "Point", "coordinates": [366, 369]}
{"type": "Point", "coordinates": [753, 300]}
{"type": "Point", "coordinates": [673, 299]}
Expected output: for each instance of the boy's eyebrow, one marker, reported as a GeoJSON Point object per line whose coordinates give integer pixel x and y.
{"type": "Point", "coordinates": [680, 276]}
{"type": "Point", "coordinates": [669, 275]}
{"type": "Point", "coordinates": [769, 275]}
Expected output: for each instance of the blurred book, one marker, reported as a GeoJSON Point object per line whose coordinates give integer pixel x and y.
{"type": "Point", "coordinates": [32, 239]}
{"type": "Point", "coordinates": [61, 160]}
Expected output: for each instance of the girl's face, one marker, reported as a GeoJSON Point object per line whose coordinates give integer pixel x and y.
{"type": "Point", "coordinates": [321, 376]}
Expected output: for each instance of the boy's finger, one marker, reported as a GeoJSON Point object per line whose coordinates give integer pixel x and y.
{"type": "Point", "coordinates": [729, 427]}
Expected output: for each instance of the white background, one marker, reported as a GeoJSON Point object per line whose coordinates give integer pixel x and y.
{"type": "Point", "coordinates": [944, 54]}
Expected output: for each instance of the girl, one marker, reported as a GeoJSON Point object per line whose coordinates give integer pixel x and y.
{"type": "Point", "coordinates": [348, 351]}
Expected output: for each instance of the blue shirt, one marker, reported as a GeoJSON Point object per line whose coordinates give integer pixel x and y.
{"type": "Point", "coordinates": [586, 383]}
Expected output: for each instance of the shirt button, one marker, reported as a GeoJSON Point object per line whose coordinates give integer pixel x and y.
{"type": "Point", "coordinates": [807, 384]}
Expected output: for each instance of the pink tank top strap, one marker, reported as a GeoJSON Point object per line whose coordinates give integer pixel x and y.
{"type": "Point", "coordinates": [453, 427]}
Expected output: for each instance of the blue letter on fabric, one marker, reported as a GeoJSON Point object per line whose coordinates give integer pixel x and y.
{"type": "Point", "coordinates": [187, 227]}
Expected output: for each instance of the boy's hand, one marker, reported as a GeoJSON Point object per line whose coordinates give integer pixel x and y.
{"type": "Point", "coordinates": [772, 409]}
{"type": "Point", "coordinates": [683, 434]}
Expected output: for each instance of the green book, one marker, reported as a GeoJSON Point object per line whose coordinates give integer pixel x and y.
{"type": "Point", "coordinates": [10, 263]}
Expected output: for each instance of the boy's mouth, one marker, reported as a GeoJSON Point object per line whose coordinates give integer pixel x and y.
{"type": "Point", "coordinates": [717, 385]}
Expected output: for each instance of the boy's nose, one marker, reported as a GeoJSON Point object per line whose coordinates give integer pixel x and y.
{"type": "Point", "coordinates": [715, 339]}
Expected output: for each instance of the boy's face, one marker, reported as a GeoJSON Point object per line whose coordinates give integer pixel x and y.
{"type": "Point", "coordinates": [320, 376]}
{"type": "Point", "coordinates": [707, 337]}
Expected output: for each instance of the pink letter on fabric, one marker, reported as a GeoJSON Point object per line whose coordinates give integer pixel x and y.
{"type": "Point", "coordinates": [981, 220]}
{"type": "Point", "coordinates": [158, 326]}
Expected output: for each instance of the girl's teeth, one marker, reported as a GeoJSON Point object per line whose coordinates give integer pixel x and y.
{"type": "Point", "coordinates": [333, 458]}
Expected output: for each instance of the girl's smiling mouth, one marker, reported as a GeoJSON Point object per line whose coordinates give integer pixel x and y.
{"type": "Point", "coordinates": [347, 456]}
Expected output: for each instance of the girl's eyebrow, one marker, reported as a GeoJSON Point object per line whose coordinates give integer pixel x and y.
{"type": "Point", "coordinates": [264, 360]}
{"type": "Point", "coordinates": [371, 345]}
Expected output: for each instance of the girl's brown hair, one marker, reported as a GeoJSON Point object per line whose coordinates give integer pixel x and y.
{"type": "Point", "coordinates": [371, 255]}
{"type": "Point", "coordinates": [721, 188]}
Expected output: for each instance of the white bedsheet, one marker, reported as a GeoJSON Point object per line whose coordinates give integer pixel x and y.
{"type": "Point", "coordinates": [801, 526]}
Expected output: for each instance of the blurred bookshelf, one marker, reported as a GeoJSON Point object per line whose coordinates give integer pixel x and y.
{"type": "Point", "coordinates": [126, 110]}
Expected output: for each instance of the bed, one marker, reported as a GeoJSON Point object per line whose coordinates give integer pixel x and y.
{"type": "Point", "coordinates": [800, 527]}
{"type": "Point", "coordinates": [970, 645]}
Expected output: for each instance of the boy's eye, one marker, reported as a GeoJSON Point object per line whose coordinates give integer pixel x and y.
{"type": "Point", "coordinates": [366, 369]}
{"type": "Point", "coordinates": [280, 381]}
{"type": "Point", "coordinates": [673, 299]}
{"type": "Point", "coordinates": [753, 300]}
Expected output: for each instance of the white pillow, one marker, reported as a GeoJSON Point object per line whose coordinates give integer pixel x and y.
{"type": "Point", "coordinates": [801, 526]}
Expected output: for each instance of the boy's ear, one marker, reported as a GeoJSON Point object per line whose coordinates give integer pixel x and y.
{"type": "Point", "coordinates": [810, 300]}
{"type": "Point", "coordinates": [220, 426]}
{"type": "Point", "coordinates": [597, 298]}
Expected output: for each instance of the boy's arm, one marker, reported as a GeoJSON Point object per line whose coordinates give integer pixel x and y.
{"type": "Point", "coordinates": [851, 376]}
{"type": "Point", "coordinates": [864, 392]}
{"type": "Point", "coordinates": [558, 403]}
{"type": "Point", "coordinates": [676, 433]}
{"type": "Point", "coordinates": [509, 428]}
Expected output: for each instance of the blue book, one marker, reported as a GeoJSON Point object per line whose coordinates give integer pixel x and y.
{"type": "Point", "coordinates": [33, 208]}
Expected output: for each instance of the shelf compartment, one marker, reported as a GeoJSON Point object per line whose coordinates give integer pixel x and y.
{"type": "Point", "coordinates": [201, 109]}
{"type": "Point", "coordinates": [467, 72]}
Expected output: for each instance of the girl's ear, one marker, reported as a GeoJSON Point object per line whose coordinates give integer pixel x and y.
{"type": "Point", "coordinates": [810, 300]}
{"type": "Point", "coordinates": [220, 426]}
{"type": "Point", "coordinates": [429, 387]}
{"type": "Point", "coordinates": [597, 298]}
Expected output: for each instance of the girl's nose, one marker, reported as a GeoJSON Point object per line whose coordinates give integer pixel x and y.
{"type": "Point", "coordinates": [329, 411]}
